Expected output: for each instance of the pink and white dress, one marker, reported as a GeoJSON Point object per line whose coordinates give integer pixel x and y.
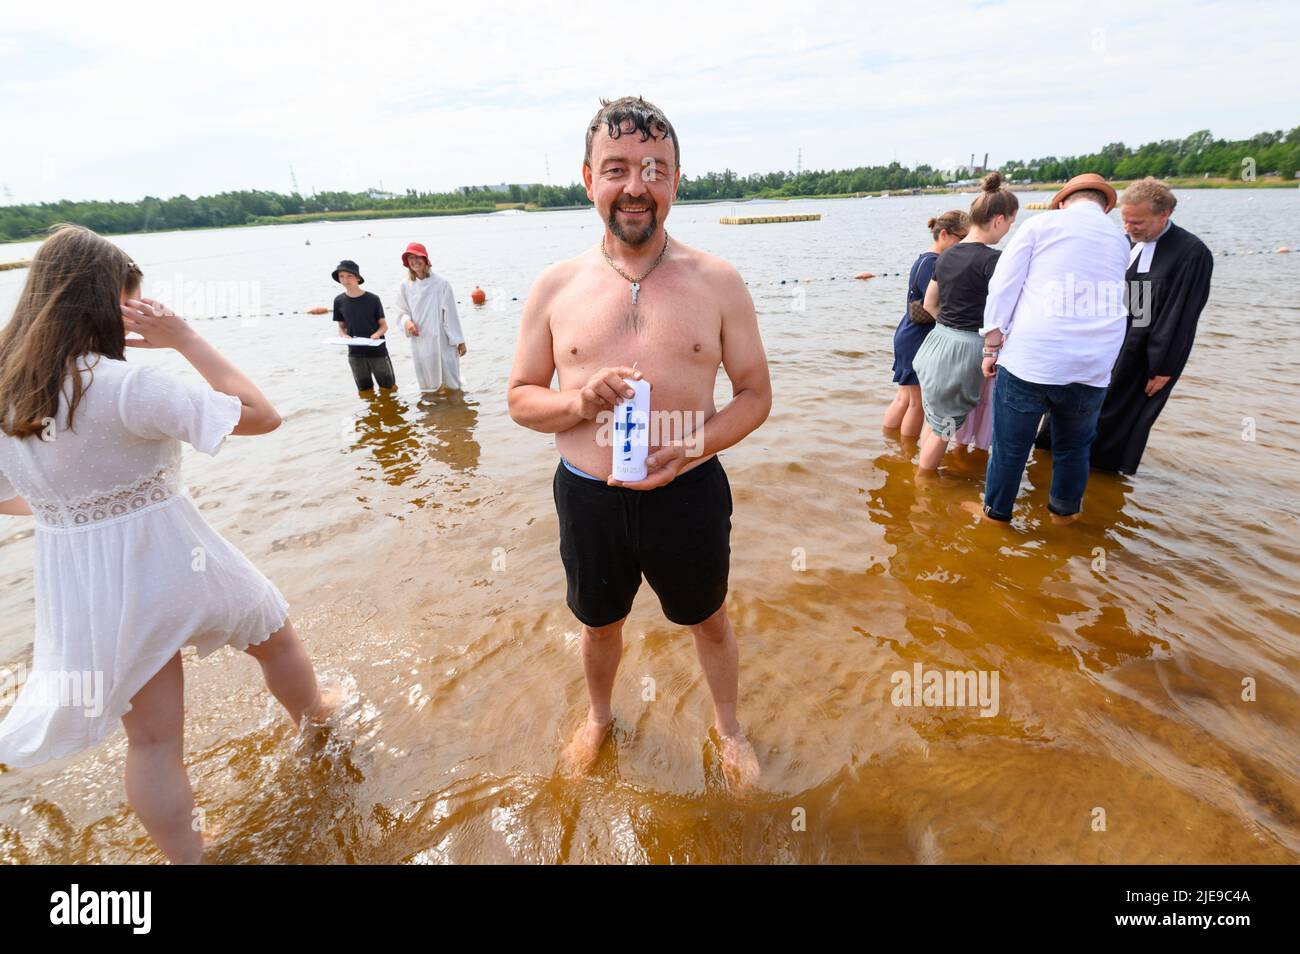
{"type": "Point", "coordinates": [977, 429]}
{"type": "Point", "coordinates": [127, 570]}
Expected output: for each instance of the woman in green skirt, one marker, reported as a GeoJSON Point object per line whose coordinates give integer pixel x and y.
{"type": "Point", "coordinates": [948, 363]}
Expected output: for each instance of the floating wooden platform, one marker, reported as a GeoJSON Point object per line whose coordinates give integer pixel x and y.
{"type": "Point", "coordinates": [1038, 205]}
{"type": "Point", "coordinates": [764, 219]}
{"type": "Point", "coordinates": [6, 266]}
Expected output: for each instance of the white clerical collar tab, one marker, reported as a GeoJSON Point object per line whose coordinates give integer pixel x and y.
{"type": "Point", "coordinates": [1144, 259]}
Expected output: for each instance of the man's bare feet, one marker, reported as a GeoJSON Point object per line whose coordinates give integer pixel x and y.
{"type": "Point", "coordinates": [739, 763]}
{"type": "Point", "coordinates": [580, 754]}
{"type": "Point", "coordinates": [1061, 521]}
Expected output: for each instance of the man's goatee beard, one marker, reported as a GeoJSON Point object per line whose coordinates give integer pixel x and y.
{"type": "Point", "coordinates": [639, 237]}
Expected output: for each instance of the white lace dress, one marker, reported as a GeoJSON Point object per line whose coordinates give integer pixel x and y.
{"type": "Point", "coordinates": [127, 570]}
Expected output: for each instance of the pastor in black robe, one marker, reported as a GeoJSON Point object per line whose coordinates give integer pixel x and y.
{"type": "Point", "coordinates": [1171, 294]}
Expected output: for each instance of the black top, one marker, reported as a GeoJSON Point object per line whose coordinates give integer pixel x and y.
{"type": "Point", "coordinates": [360, 316]}
{"type": "Point", "coordinates": [963, 273]}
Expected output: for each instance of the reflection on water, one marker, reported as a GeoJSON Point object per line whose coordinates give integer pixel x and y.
{"type": "Point", "coordinates": [419, 548]}
{"type": "Point", "coordinates": [448, 422]}
{"type": "Point", "coordinates": [401, 440]}
{"type": "Point", "coordinates": [382, 432]}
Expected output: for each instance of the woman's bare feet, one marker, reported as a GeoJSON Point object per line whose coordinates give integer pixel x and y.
{"type": "Point", "coordinates": [211, 830]}
{"type": "Point", "coordinates": [580, 754]}
{"type": "Point", "coordinates": [739, 763]}
{"type": "Point", "coordinates": [329, 696]}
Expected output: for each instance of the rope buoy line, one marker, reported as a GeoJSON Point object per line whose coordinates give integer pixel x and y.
{"type": "Point", "coordinates": [318, 310]}
{"type": "Point", "coordinates": [315, 312]}
{"type": "Point", "coordinates": [1281, 250]}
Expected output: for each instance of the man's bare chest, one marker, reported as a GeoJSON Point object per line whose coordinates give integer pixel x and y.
{"type": "Point", "coordinates": [665, 328]}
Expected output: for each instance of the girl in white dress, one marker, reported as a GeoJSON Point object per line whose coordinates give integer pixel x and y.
{"type": "Point", "coordinates": [127, 571]}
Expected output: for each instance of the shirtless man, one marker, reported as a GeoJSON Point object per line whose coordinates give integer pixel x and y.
{"type": "Point", "coordinates": [643, 305]}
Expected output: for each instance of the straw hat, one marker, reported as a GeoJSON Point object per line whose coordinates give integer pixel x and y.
{"type": "Point", "coordinates": [1088, 180]}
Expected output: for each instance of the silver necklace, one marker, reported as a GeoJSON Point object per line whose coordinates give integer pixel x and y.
{"type": "Point", "coordinates": [635, 282]}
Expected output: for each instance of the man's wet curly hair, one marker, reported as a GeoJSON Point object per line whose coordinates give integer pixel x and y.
{"type": "Point", "coordinates": [646, 118]}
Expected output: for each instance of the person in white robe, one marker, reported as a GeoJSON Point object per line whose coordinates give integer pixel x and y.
{"type": "Point", "coordinates": [426, 307]}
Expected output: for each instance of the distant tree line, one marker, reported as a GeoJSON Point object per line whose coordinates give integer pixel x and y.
{"type": "Point", "coordinates": [1200, 154]}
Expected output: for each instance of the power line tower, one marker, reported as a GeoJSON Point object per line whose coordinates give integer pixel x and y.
{"type": "Point", "coordinates": [293, 177]}
{"type": "Point", "coordinates": [548, 168]}
{"type": "Point", "coordinates": [798, 162]}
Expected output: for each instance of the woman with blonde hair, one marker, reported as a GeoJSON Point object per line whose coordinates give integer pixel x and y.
{"type": "Point", "coordinates": [949, 362]}
{"type": "Point", "coordinates": [128, 573]}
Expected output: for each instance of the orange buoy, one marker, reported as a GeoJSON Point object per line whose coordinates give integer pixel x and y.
{"type": "Point", "coordinates": [864, 276]}
{"type": "Point", "coordinates": [1283, 250]}
{"type": "Point", "coordinates": [477, 296]}
{"type": "Point", "coordinates": [318, 311]}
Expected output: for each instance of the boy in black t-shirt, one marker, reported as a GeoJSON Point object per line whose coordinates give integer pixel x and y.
{"type": "Point", "coordinates": [360, 314]}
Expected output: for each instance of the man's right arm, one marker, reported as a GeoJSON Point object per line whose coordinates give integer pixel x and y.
{"type": "Point", "coordinates": [533, 403]}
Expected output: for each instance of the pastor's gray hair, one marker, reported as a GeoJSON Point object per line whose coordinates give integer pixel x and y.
{"type": "Point", "coordinates": [1151, 190]}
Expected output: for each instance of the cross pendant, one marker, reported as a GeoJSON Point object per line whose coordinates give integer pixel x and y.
{"type": "Point", "coordinates": [636, 290]}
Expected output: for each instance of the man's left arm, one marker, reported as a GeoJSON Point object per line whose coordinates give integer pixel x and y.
{"type": "Point", "coordinates": [745, 361]}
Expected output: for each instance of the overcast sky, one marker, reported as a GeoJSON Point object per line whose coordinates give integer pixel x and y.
{"type": "Point", "coordinates": [121, 100]}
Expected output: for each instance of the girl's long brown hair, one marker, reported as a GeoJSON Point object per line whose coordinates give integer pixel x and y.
{"type": "Point", "coordinates": [70, 306]}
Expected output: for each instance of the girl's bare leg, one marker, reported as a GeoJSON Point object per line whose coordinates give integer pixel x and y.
{"type": "Point", "coordinates": [157, 788]}
{"type": "Point", "coordinates": [915, 416]}
{"type": "Point", "coordinates": [897, 410]}
{"type": "Point", "coordinates": [933, 447]}
{"type": "Point", "coordinates": [288, 672]}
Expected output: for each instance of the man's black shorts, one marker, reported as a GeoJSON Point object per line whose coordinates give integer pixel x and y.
{"type": "Point", "coordinates": [678, 535]}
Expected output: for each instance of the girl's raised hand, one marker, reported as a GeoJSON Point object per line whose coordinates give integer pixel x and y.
{"type": "Point", "coordinates": [156, 324]}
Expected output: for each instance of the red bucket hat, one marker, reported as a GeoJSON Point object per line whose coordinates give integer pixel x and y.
{"type": "Point", "coordinates": [415, 248]}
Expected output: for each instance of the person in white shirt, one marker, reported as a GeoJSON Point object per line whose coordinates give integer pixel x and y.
{"type": "Point", "coordinates": [426, 305]}
{"type": "Point", "coordinates": [1054, 322]}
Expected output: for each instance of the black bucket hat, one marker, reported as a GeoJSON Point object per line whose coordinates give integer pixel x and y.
{"type": "Point", "coordinates": [347, 265]}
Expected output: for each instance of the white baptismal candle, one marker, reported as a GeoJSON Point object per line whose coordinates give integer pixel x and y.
{"type": "Point", "coordinates": [632, 432]}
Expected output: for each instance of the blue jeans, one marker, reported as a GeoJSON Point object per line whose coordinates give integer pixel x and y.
{"type": "Point", "coordinates": [1018, 407]}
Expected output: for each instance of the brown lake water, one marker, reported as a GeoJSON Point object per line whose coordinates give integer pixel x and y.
{"type": "Point", "coordinates": [419, 550]}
